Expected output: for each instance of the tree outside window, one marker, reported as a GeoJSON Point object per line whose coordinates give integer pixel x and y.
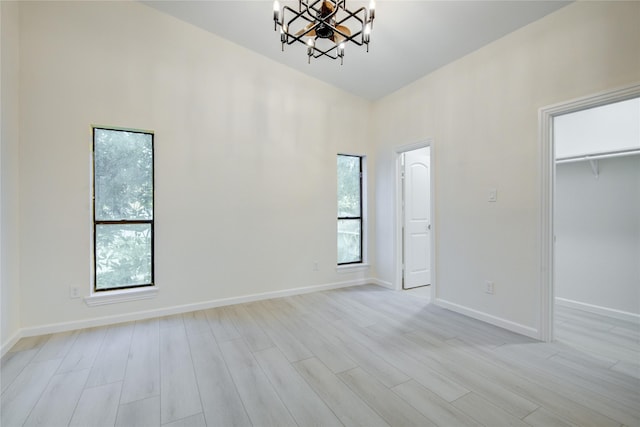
{"type": "Point", "coordinates": [349, 209]}
{"type": "Point", "coordinates": [123, 208]}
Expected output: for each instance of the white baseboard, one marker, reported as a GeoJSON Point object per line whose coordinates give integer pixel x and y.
{"type": "Point", "coordinates": [6, 346]}
{"type": "Point", "coordinates": [141, 315]}
{"type": "Point", "coordinates": [496, 321]}
{"type": "Point", "coordinates": [382, 283]}
{"type": "Point", "coordinates": [597, 309]}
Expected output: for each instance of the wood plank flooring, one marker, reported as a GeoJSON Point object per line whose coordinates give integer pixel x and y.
{"type": "Point", "coordinates": [361, 356]}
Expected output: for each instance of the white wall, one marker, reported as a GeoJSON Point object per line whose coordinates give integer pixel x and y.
{"type": "Point", "coordinates": [9, 220]}
{"type": "Point", "coordinates": [482, 112]}
{"type": "Point", "coordinates": [607, 128]}
{"type": "Point", "coordinates": [597, 224]}
{"type": "Point", "coordinates": [245, 165]}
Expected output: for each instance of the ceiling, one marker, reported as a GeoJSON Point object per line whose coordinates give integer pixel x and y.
{"type": "Point", "coordinates": [409, 39]}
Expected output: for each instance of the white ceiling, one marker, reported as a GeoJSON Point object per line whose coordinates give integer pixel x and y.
{"type": "Point", "coordinates": [409, 39]}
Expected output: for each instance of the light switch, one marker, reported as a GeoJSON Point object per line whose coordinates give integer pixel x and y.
{"type": "Point", "coordinates": [493, 195]}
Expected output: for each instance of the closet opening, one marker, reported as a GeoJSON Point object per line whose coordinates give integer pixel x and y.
{"type": "Point", "coordinates": [597, 221]}
{"type": "Point", "coordinates": [590, 226]}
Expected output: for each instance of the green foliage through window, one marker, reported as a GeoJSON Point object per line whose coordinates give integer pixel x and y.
{"type": "Point", "coordinates": [349, 209]}
{"type": "Point", "coordinates": [123, 208]}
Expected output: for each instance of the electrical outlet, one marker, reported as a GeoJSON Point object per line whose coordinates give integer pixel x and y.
{"type": "Point", "coordinates": [489, 287]}
{"type": "Point", "coordinates": [74, 292]}
{"type": "Point", "coordinates": [315, 265]}
{"type": "Point", "coordinates": [493, 195]}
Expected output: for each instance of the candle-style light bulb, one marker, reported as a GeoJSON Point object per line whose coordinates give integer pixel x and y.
{"type": "Point", "coordinates": [310, 45]}
{"type": "Point", "coordinates": [276, 10]}
{"type": "Point", "coordinates": [367, 33]}
{"type": "Point", "coordinates": [372, 10]}
{"type": "Point", "coordinates": [283, 35]}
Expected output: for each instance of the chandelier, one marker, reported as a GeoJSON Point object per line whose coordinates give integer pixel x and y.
{"type": "Point", "coordinates": [324, 26]}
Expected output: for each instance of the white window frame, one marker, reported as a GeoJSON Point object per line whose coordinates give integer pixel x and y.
{"type": "Point", "coordinates": [363, 263]}
{"type": "Point", "coordinates": [116, 295]}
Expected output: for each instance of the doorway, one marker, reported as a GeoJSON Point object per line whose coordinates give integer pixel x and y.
{"type": "Point", "coordinates": [548, 117]}
{"type": "Point", "coordinates": [414, 218]}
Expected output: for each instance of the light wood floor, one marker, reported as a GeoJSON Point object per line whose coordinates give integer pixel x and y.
{"type": "Point", "coordinates": [360, 356]}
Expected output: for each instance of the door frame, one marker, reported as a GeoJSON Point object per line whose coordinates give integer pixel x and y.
{"type": "Point", "coordinates": [547, 192]}
{"type": "Point", "coordinates": [398, 218]}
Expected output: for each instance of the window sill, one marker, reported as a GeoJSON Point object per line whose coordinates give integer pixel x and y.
{"type": "Point", "coordinates": [349, 268]}
{"type": "Point", "coordinates": [117, 296]}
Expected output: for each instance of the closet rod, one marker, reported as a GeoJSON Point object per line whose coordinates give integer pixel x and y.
{"type": "Point", "coordinates": [605, 155]}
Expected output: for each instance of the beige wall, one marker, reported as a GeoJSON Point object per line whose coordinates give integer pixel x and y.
{"type": "Point", "coordinates": [482, 112]}
{"type": "Point", "coordinates": [9, 218]}
{"type": "Point", "coordinates": [245, 157]}
{"type": "Point", "coordinates": [245, 175]}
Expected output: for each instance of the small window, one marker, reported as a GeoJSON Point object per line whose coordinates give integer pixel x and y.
{"type": "Point", "coordinates": [122, 209]}
{"type": "Point", "coordinates": [349, 209]}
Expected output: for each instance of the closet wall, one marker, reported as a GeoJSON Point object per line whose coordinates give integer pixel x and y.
{"type": "Point", "coordinates": [598, 234]}
{"type": "Point", "coordinates": [612, 127]}
{"type": "Point", "coordinates": [597, 211]}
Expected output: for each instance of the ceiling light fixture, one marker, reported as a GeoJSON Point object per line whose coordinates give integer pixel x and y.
{"type": "Point", "coordinates": [324, 26]}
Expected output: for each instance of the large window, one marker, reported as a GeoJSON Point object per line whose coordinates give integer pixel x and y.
{"type": "Point", "coordinates": [349, 209]}
{"type": "Point", "coordinates": [122, 208]}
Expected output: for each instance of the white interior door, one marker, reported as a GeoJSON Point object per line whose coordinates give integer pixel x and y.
{"type": "Point", "coordinates": [417, 218]}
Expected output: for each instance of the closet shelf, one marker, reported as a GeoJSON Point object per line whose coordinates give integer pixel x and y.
{"type": "Point", "coordinates": [598, 156]}
{"type": "Point", "coordinates": [593, 158]}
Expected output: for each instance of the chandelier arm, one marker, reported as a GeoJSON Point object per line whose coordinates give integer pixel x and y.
{"type": "Point", "coordinates": [354, 15]}
{"type": "Point", "coordinates": [346, 36]}
{"type": "Point", "coordinates": [296, 15]}
{"type": "Point", "coordinates": [362, 22]}
{"type": "Point", "coordinates": [321, 53]}
{"type": "Point", "coordinates": [306, 4]}
{"type": "Point", "coordinates": [299, 37]}
{"type": "Point", "coordinates": [352, 38]}
{"type": "Point", "coordinates": [326, 19]}
{"type": "Point", "coordinates": [296, 39]}
{"type": "Point", "coordinates": [292, 38]}
{"type": "Point", "coordinates": [357, 18]}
